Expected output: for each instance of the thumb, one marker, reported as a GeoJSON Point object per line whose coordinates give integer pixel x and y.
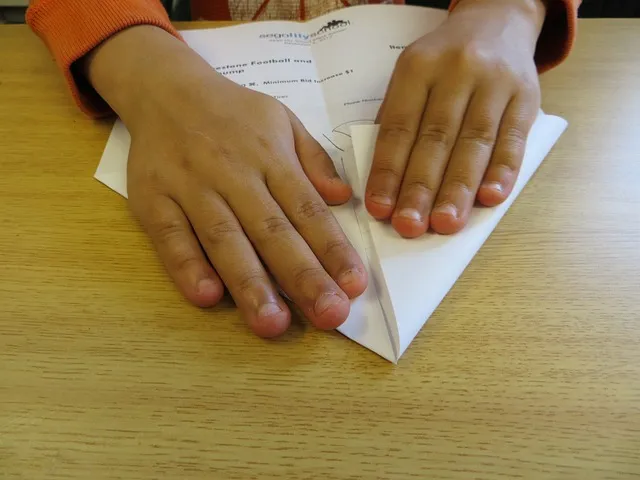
{"type": "Point", "coordinates": [317, 165]}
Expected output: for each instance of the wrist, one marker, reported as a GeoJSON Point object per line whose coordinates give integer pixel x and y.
{"type": "Point", "coordinates": [137, 65]}
{"type": "Point", "coordinates": [535, 9]}
{"type": "Point", "coordinates": [523, 17]}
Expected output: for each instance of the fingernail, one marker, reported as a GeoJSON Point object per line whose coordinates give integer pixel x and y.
{"type": "Point", "coordinates": [269, 310]}
{"type": "Point", "coordinates": [349, 277]}
{"type": "Point", "coordinates": [380, 199]}
{"type": "Point", "coordinates": [495, 186]}
{"type": "Point", "coordinates": [409, 214]}
{"type": "Point", "coordinates": [325, 302]}
{"type": "Point", "coordinates": [446, 209]}
{"type": "Point", "coordinates": [207, 286]}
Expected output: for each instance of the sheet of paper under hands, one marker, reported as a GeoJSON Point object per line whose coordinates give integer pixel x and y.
{"type": "Point", "coordinates": [332, 72]}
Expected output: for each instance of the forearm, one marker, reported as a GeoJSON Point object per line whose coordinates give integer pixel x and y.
{"type": "Point", "coordinates": [136, 68]}
{"type": "Point", "coordinates": [119, 69]}
{"type": "Point", "coordinates": [536, 9]}
{"type": "Point", "coordinates": [72, 28]}
{"type": "Point", "coordinates": [554, 24]}
{"type": "Point", "coordinates": [519, 20]}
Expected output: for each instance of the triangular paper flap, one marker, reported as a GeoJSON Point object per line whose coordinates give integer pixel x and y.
{"type": "Point", "coordinates": [373, 262]}
{"type": "Point", "coordinates": [366, 323]}
{"type": "Point", "coordinates": [418, 273]}
{"type": "Point", "coordinates": [112, 169]}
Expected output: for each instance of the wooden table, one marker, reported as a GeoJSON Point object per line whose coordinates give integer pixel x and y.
{"type": "Point", "coordinates": [529, 369]}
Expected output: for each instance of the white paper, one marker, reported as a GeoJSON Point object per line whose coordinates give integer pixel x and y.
{"type": "Point", "coordinates": [416, 274]}
{"type": "Point", "coordinates": [332, 72]}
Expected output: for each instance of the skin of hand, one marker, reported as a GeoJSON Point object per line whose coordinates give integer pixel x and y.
{"type": "Point", "coordinates": [228, 184]}
{"type": "Point", "coordinates": [456, 116]}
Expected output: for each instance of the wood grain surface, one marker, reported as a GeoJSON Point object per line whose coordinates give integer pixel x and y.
{"type": "Point", "coordinates": [530, 368]}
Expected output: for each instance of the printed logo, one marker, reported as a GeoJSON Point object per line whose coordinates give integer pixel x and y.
{"type": "Point", "coordinates": [331, 28]}
{"type": "Point", "coordinates": [333, 25]}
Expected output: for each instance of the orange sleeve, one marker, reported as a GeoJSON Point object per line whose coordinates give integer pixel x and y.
{"type": "Point", "coordinates": [557, 35]}
{"type": "Point", "coordinates": [72, 28]}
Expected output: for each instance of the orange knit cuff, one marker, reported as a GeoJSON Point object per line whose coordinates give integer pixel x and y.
{"type": "Point", "coordinates": [72, 28]}
{"type": "Point", "coordinates": [558, 32]}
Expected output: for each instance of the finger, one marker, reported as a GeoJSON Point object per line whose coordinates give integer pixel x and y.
{"type": "Point", "coordinates": [288, 257]}
{"type": "Point", "coordinates": [429, 157]}
{"type": "Point", "coordinates": [237, 263]}
{"type": "Point", "coordinates": [399, 122]}
{"type": "Point", "coordinates": [179, 250]}
{"type": "Point", "coordinates": [469, 159]}
{"type": "Point", "coordinates": [508, 153]}
{"type": "Point", "coordinates": [381, 109]}
{"type": "Point", "coordinates": [318, 166]}
{"type": "Point", "coordinates": [318, 227]}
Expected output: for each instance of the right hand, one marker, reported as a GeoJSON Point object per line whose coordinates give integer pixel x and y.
{"type": "Point", "coordinates": [228, 184]}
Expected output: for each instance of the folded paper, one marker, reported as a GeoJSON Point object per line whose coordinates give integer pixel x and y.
{"type": "Point", "coordinates": [412, 276]}
{"type": "Point", "coordinates": [332, 72]}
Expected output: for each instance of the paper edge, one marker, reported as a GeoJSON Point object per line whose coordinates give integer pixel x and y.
{"type": "Point", "coordinates": [351, 176]}
{"type": "Point", "coordinates": [358, 184]}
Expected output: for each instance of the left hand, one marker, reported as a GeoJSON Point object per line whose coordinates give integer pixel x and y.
{"type": "Point", "coordinates": [455, 119]}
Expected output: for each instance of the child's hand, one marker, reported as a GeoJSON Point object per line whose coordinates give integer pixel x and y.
{"type": "Point", "coordinates": [456, 117]}
{"type": "Point", "coordinates": [221, 175]}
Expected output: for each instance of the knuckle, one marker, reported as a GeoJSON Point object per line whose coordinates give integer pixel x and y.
{"type": "Point", "coordinates": [501, 69]}
{"type": "Point", "coordinates": [311, 209]}
{"type": "Point", "coordinates": [224, 153]}
{"type": "Point", "coordinates": [184, 261]}
{"type": "Point", "coordinates": [163, 229]}
{"type": "Point", "coordinates": [270, 103]}
{"type": "Point", "coordinates": [275, 225]}
{"type": "Point", "coordinates": [249, 281]}
{"type": "Point", "coordinates": [152, 175]}
{"type": "Point", "coordinates": [305, 275]}
{"type": "Point", "coordinates": [395, 128]}
{"type": "Point", "coordinates": [412, 60]}
{"type": "Point", "coordinates": [141, 181]}
{"type": "Point", "coordinates": [530, 88]}
{"type": "Point", "coordinates": [509, 155]}
{"type": "Point", "coordinates": [524, 79]}
{"type": "Point", "coordinates": [386, 172]}
{"type": "Point", "coordinates": [505, 166]}
{"type": "Point", "coordinates": [417, 185]}
{"type": "Point", "coordinates": [336, 247]}
{"type": "Point", "coordinates": [460, 184]}
{"type": "Point", "coordinates": [438, 132]}
{"type": "Point", "coordinates": [474, 56]}
{"type": "Point", "coordinates": [219, 232]}
{"type": "Point", "coordinates": [227, 160]}
{"type": "Point", "coordinates": [264, 142]}
{"type": "Point", "coordinates": [480, 132]}
{"type": "Point", "coordinates": [316, 155]}
{"type": "Point", "coordinates": [187, 163]}
{"type": "Point", "coordinates": [268, 107]}
{"type": "Point", "coordinates": [515, 137]}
